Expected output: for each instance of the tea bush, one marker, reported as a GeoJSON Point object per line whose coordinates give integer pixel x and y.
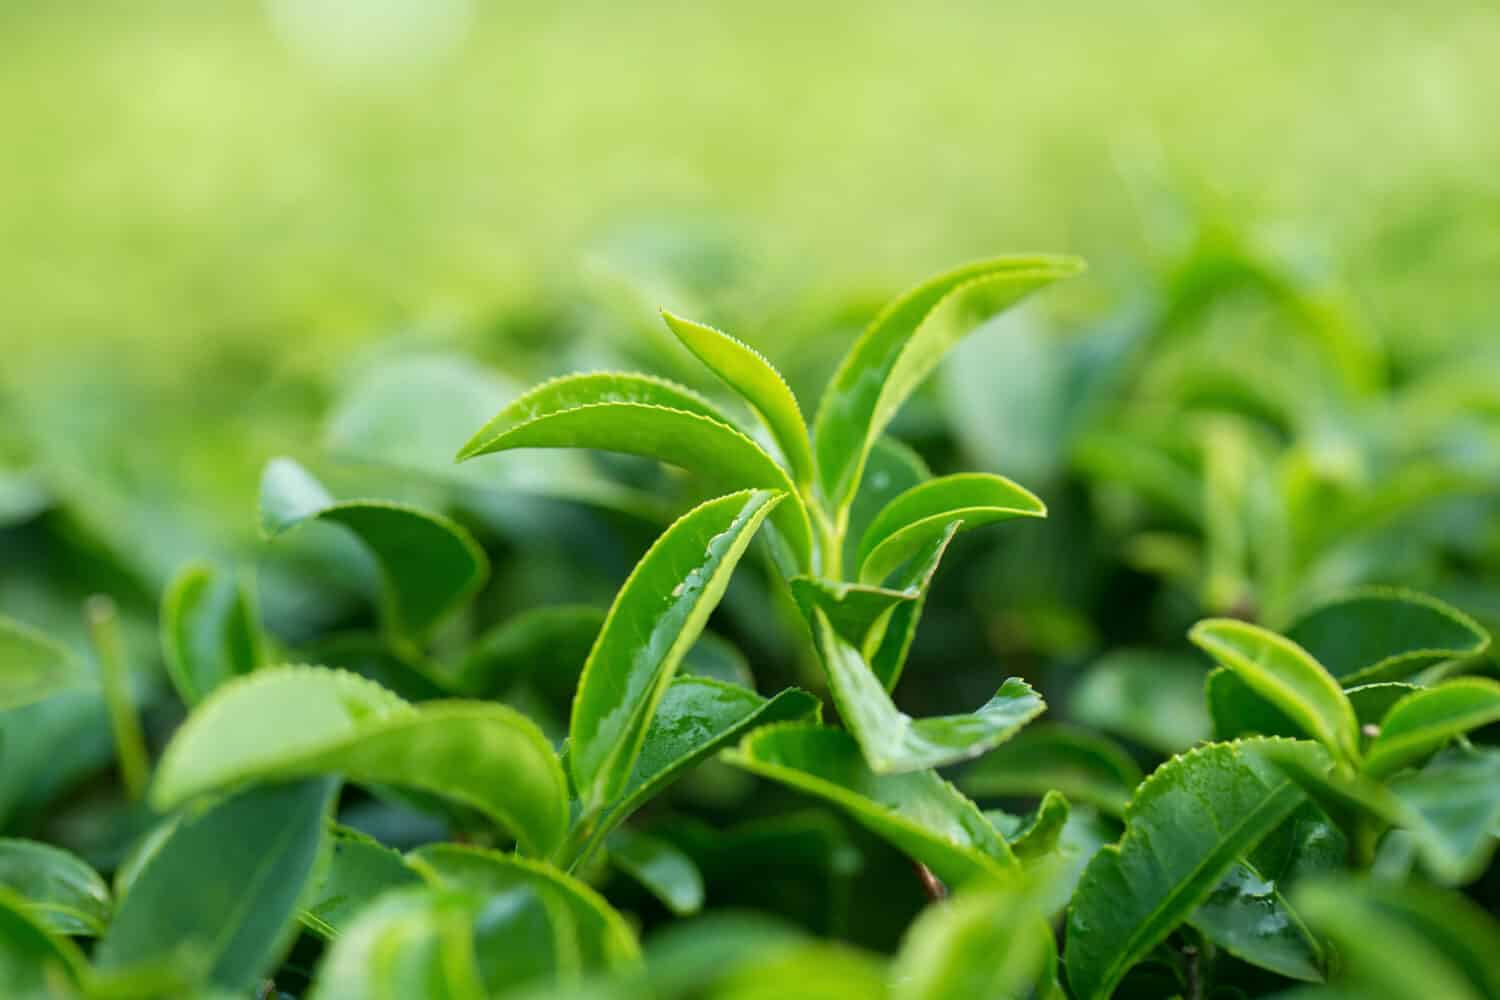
{"type": "Point", "coordinates": [426, 743]}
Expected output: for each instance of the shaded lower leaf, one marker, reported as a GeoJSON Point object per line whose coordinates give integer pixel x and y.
{"type": "Point", "coordinates": [1053, 756]}
{"type": "Point", "coordinates": [210, 631]}
{"type": "Point", "coordinates": [1150, 697]}
{"type": "Point", "coordinates": [1248, 916]}
{"type": "Point", "coordinates": [358, 870]}
{"type": "Point", "coordinates": [663, 870]}
{"type": "Point", "coordinates": [917, 811]}
{"type": "Point", "coordinates": [58, 888]}
{"type": "Point", "coordinates": [32, 666]}
{"type": "Point", "coordinates": [1383, 634]}
{"type": "Point", "coordinates": [34, 961]}
{"type": "Point", "coordinates": [1185, 828]}
{"type": "Point", "coordinates": [1451, 808]}
{"type": "Point", "coordinates": [220, 893]}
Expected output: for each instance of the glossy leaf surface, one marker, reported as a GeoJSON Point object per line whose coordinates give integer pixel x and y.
{"type": "Point", "coordinates": [57, 887]}
{"type": "Point", "coordinates": [663, 870]}
{"type": "Point", "coordinates": [1381, 634]}
{"type": "Point", "coordinates": [1423, 721]}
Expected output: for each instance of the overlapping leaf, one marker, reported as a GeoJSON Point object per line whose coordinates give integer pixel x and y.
{"type": "Point", "coordinates": [359, 869]}
{"type": "Point", "coordinates": [663, 870]}
{"type": "Point", "coordinates": [286, 722]}
{"type": "Point", "coordinates": [656, 617]}
{"type": "Point", "coordinates": [1382, 634]}
{"type": "Point", "coordinates": [1424, 720]}
{"type": "Point", "coordinates": [917, 811]}
{"type": "Point", "coordinates": [210, 631]}
{"type": "Point", "coordinates": [1052, 756]}
{"type": "Point", "coordinates": [57, 887]}
{"type": "Point", "coordinates": [415, 942]}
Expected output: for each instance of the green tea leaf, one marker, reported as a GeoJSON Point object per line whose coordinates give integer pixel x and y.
{"type": "Point", "coordinates": [414, 942]}
{"type": "Point", "coordinates": [663, 870]}
{"type": "Point", "coordinates": [1150, 697]}
{"type": "Point", "coordinates": [429, 566]}
{"type": "Point", "coordinates": [893, 742]}
{"type": "Point", "coordinates": [900, 349]}
{"type": "Point", "coordinates": [1282, 672]}
{"type": "Point", "coordinates": [1345, 796]}
{"type": "Point", "coordinates": [1451, 807]}
{"type": "Point", "coordinates": [1380, 634]}
{"type": "Point", "coordinates": [210, 631]}
{"type": "Point", "coordinates": [816, 970]}
{"type": "Point", "coordinates": [294, 721]}
{"type": "Point", "coordinates": [57, 887]}
{"type": "Point", "coordinates": [748, 373]}
{"type": "Point", "coordinates": [1038, 836]}
{"type": "Point", "coordinates": [1423, 721]}
{"type": "Point", "coordinates": [34, 961]}
{"type": "Point", "coordinates": [1184, 829]}
{"type": "Point", "coordinates": [32, 666]}
{"type": "Point", "coordinates": [657, 615]}
{"type": "Point", "coordinates": [697, 716]}
{"type": "Point", "coordinates": [1081, 765]}
{"type": "Point", "coordinates": [358, 870]}
{"type": "Point", "coordinates": [601, 939]}
{"type": "Point", "coordinates": [892, 468]}
{"type": "Point", "coordinates": [1406, 942]}
{"type": "Point", "coordinates": [1248, 916]}
{"type": "Point", "coordinates": [981, 943]}
{"type": "Point", "coordinates": [221, 891]}
{"type": "Point", "coordinates": [1238, 711]}
{"type": "Point", "coordinates": [921, 515]}
{"type": "Point", "coordinates": [642, 416]}
{"type": "Point", "coordinates": [917, 811]}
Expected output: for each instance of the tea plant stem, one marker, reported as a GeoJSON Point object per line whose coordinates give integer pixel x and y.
{"type": "Point", "coordinates": [130, 743]}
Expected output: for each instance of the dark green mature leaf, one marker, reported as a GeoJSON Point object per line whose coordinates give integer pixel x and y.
{"type": "Point", "coordinates": [1184, 829]}
{"type": "Point", "coordinates": [1423, 721]}
{"type": "Point", "coordinates": [58, 888]}
{"type": "Point", "coordinates": [548, 644]}
{"type": "Point", "coordinates": [1248, 916]}
{"type": "Point", "coordinates": [918, 811]}
{"type": "Point", "coordinates": [1282, 672]}
{"type": "Point", "coordinates": [697, 716]}
{"type": "Point", "coordinates": [32, 667]}
{"type": "Point", "coordinates": [914, 520]}
{"type": "Point", "coordinates": [1150, 697]}
{"type": "Point", "coordinates": [34, 962]}
{"type": "Point", "coordinates": [900, 349]}
{"type": "Point", "coordinates": [666, 872]}
{"type": "Point", "coordinates": [893, 742]}
{"type": "Point", "coordinates": [429, 566]}
{"type": "Point", "coordinates": [415, 942]}
{"type": "Point", "coordinates": [1406, 942]}
{"type": "Point", "coordinates": [358, 870]}
{"type": "Point", "coordinates": [221, 891]}
{"type": "Point", "coordinates": [980, 943]}
{"type": "Point", "coordinates": [210, 631]}
{"type": "Point", "coordinates": [294, 721]}
{"type": "Point", "coordinates": [1081, 765]}
{"type": "Point", "coordinates": [644, 416]}
{"type": "Point", "coordinates": [600, 938]}
{"type": "Point", "coordinates": [748, 373]}
{"type": "Point", "coordinates": [656, 617]}
{"type": "Point", "coordinates": [1381, 634]}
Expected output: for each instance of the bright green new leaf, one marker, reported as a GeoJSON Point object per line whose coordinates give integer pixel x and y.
{"type": "Point", "coordinates": [219, 895]}
{"type": "Point", "coordinates": [429, 566]}
{"type": "Point", "coordinates": [35, 962]}
{"type": "Point", "coordinates": [918, 811]}
{"type": "Point", "coordinates": [892, 468]}
{"type": "Point", "coordinates": [293, 721]}
{"type": "Point", "coordinates": [663, 870]}
{"type": "Point", "coordinates": [748, 373]}
{"type": "Point", "coordinates": [1184, 829]}
{"type": "Point", "coordinates": [1383, 634]}
{"type": "Point", "coordinates": [414, 942]}
{"type": "Point", "coordinates": [983, 944]}
{"type": "Point", "coordinates": [816, 970]}
{"type": "Point", "coordinates": [32, 666]}
{"type": "Point", "coordinates": [921, 515]}
{"type": "Point", "coordinates": [1406, 942]}
{"type": "Point", "coordinates": [697, 716]}
{"type": "Point", "coordinates": [900, 349]}
{"type": "Point", "coordinates": [58, 888]}
{"type": "Point", "coordinates": [1238, 711]}
{"type": "Point", "coordinates": [644, 416]}
{"type": "Point", "coordinates": [1285, 674]}
{"type": "Point", "coordinates": [1081, 765]}
{"type": "Point", "coordinates": [210, 631]}
{"type": "Point", "coordinates": [893, 742]}
{"type": "Point", "coordinates": [358, 870]}
{"type": "Point", "coordinates": [656, 617]}
{"type": "Point", "coordinates": [1036, 837]}
{"type": "Point", "coordinates": [598, 937]}
{"type": "Point", "coordinates": [1423, 721]}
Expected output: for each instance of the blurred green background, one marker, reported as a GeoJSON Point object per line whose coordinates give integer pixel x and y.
{"type": "Point", "coordinates": [214, 212]}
